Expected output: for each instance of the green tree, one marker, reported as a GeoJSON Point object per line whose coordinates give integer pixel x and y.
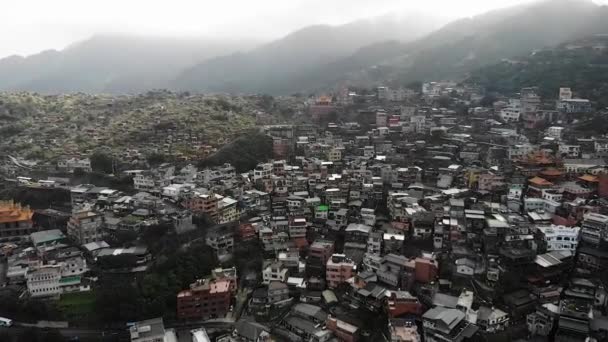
{"type": "Point", "coordinates": [101, 162]}
{"type": "Point", "coordinates": [156, 159]}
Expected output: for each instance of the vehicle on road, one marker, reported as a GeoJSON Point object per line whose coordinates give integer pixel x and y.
{"type": "Point", "coordinates": [5, 322]}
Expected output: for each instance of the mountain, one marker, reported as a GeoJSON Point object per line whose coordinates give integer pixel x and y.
{"type": "Point", "coordinates": [110, 63]}
{"type": "Point", "coordinates": [274, 67]}
{"type": "Point", "coordinates": [580, 64]}
{"type": "Point", "coordinates": [465, 45]}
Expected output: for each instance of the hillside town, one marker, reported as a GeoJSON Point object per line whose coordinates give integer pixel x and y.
{"type": "Point", "coordinates": [437, 212]}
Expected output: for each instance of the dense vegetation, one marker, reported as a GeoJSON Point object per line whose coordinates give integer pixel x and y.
{"type": "Point", "coordinates": [244, 153]}
{"type": "Point", "coordinates": [116, 129]}
{"type": "Point", "coordinates": [584, 69]}
{"type": "Point", "coordinates": [122, 298]}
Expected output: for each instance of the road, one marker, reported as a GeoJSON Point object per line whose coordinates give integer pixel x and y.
{"type": "Point", "coordinates": [95, 334]}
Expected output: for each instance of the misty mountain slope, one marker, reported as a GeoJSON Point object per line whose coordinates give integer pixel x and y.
{"type": "Point", "coordinates": [274, 67]}
{"type": "Point", "coordinates": [109, 63]}
{"type": "Point", "coordinates": [467, 44]}
{"type": "Point", "coordinates": [581, 64]}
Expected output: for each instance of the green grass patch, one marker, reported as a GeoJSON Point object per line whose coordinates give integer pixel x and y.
{"type": "Point", "coordinates": [77, 306]}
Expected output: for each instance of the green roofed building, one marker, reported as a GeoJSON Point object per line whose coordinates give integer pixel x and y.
{"type": "Point", "coordinates": [323, 208]}
{"type": "Point", "coordinates": [47, 237]}
{"type": "Point", "coordinates": [321, 211]}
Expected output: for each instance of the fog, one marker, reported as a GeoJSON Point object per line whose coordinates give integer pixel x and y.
{"type": "Point", "coordinates": [29, 26]}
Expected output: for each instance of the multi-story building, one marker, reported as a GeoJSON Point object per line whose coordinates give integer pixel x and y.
{"type": "Point", "coordinates": [530, 100]}
{"type": "Point", "coordinates": [573, 106]}
{"type": "Point", "coordinates": [570, 151]}
{"type": "Point", "coordinates": [15, 220]}
{"type": "Point", "coordinates": [344, 331]}
{"type": "Point", "coordinates": [206, 298]}
{"type": "Point", "coordinates": [490, 181]}
{"type": "Point", "coordinates": [206, 204]}
{"type": "Point", "coordinates": [492, 319]}
{"type": "Point", "coordinates": [541, 321]}
{"type": "Point", "coordinates": [262, 171]}
{"type": "Point", "coordinates": [374, 243]}
{"type": "Point", "coordinates": [85, 226]}
{"type": "Point", "coordinates": [297, 227]}
{"type": "Point", "coordinates": [321, 250]}
{"type": "Point", "coordinates": [72, 164]}
{"type": "Point", "coordinates": [511, 112]}
{"type": "Point", "coordinates": [446, 325]}
{"type": "Point", "coordinates": [391, 269]}
{"type": "Point", "coordinates": [147, 181]}
{"type": "Point", "coordinates": [403, 330]}
{"type": "Point", "coordinates": [228, 210]}
{"type": "Point", "coordinates": [221, 239]}
{"type": "Point", "coordinates": [276, 271]}
{"type": "Point", "coordinates": [44, 281]}
{"type": "Point", "coordinates": [557, 238]}
{"type": "Point", "coordinates": [403, 303]}
{"type": "Point", "coordinates": [339, 269]}
{"type": "Point", "coordinates": [520, 150]}
{"type": "Point", "coordinates": [594, 228]}
{"type": "Point", "coordinates": [555, 132]}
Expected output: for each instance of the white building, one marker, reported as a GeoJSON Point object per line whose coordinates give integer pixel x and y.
{"type": "Point", "coordinates": [594, 228]}
{"type": "Point", "coordinates": [557, 238]}
{"type": "Point", "coordinates": [262, 171]}
{"type": "Point", "coordinates": [518, 151]}
{"type": "Point", "coordinates": [512, 112]}
{"type": "Point", "coordinates": [570, 151]}
{"type": "Point", "coordinates": [368, 216]}
{"type": "Point", "coordinates": [44, 281]}
{"type": "Point", "coordinates": [334, 154]}
{"type": "Point", "coordinates": [540, 204]}
{"type": "Point", "coordinates": [571, 106]}
{"type": "Point", "coordinates": [555, 132]}
{"type": "Point", "coordinates": [418, 123]}
{"type": "Point", "coordinates": [581, 165]}
{"type": "Point", "coordinates": [175, 191]}
{"type": "Point", "coordinates": [74, 163]}
{"type": "Point", "coordinates": [565, 94]}
{"type": "Point", "coordinates": [492, 319]}
{"type": "Point", "coordinates": [275, 272]}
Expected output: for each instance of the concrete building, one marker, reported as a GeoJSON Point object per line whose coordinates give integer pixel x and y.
{"type": "Point", "coordinates": [446, 325]}
{"type": "Point", "coordinates": [206, 298]}
{"type": "Point", "coordinates": [594, 228]}
{"type": "Point", "coordinates": [151, 330]}
{"type": "Point", "coordinates": [85, 226]}
{"type": "Point", "coordinates": [402, 330]}
{"type": "Point", "coordinates": [207, 204]}
{"type": "Point", "coordinates": [339, 269]}
{"type": "Point", "coordinates": [44, 281]}
{"type": "Point", "coordinates": [276, 271]}
{"type": "Point", "coordinates": [343, 330]}
{"type": "Point", "coordinates": [557, 238]}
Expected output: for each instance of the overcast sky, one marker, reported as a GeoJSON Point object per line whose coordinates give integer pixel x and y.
{"type": "Point", "coordinates": [29, 26]}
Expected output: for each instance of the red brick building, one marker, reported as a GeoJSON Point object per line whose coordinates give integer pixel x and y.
{"type": "Point", "coordinates": [403, 303]}
{"type": "Point", "coordinates": [426, 270]}
{"type": "Point", "coordinates": [247, 232]}
{"type": "Point", "coordinates": [344, 331]}
{"type": "Point", "coordinates": [205, 299]}
{"type": "Point", "coordinates": [603, 186]}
